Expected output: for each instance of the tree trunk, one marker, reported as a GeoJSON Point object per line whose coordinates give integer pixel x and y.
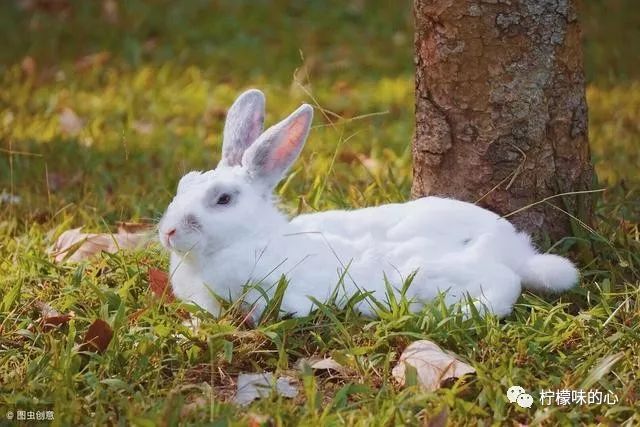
{"type": "Point", "coordinates": [501, 115]}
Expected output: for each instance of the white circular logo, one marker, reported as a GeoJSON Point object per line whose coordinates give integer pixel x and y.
{"type": "Point", "coordinates": [513, 393]}
{"type": "Point", "coordinates": [517, 394]}
{"type": "Point", "coordinates": [525, 400]}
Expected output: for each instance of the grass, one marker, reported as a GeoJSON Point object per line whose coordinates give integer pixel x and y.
{"type": "Point", "coordinates": [152, 108]}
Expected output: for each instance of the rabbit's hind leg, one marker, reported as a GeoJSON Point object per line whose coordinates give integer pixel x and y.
{"type": "Point", "coordinates": [489, 285]}
{"type": "Point", "coordinates": [497, 291]}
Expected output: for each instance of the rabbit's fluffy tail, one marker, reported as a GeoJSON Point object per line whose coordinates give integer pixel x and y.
{"type": "Point", "coordinates": [546, 272]}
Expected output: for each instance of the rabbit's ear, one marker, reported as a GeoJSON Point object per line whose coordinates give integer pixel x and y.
{"type": "Point", "coordinates": [278, 147]}
{"type": "Point", "coordinates": [245, 120]}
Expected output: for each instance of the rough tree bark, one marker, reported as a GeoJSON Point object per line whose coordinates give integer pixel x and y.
{"type": "Point", "coordinates": [501, 116]}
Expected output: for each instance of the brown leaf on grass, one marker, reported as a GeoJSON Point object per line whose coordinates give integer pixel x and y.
{"type": "Point", "coordinates": [98, 337]}
{"type": "Point", "coordinates": [70, 122]}
{"type": "Point", "coordinates": [432, 364]}
{"type": "Point", "coordinates": [52, 322]}
{"type": "Point", "coordinates": [159, 284]}
{"type": "Point", "coordinates": [50, 318]}
{"type": "Point", "coordinates": [73, 245]}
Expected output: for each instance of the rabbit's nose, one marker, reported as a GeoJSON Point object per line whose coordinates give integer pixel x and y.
{"type": "Point", "coordinates": [167, 236]}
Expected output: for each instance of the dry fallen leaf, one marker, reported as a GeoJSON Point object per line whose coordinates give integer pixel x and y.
{"type": "Point", "coordinates": [432, 364]}
{"type": "Point", "coordinates": [327, 364]}
{"type": "Point", "coordinates": [159, 284]}
{"type": "Point", "coordinates": [50, 317]}
{"type": "Point", "coordinates": [73, 245]}
{"type": "Point", "coordinates": [70, 122]}
{"type": "Point", "coordinates": [98, 337]}
{"type": "Point", "coordinates": [250, 387]}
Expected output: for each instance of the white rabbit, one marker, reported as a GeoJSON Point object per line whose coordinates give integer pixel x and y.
{"type": "Point", "coordinates": [224, 232]}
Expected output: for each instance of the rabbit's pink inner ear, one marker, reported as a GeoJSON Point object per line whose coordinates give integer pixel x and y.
{"type": "Point", "coordinates": [289, 144]}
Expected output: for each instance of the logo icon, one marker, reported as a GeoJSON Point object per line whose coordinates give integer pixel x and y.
{"type": "Point", "coordinates": [517, 394]}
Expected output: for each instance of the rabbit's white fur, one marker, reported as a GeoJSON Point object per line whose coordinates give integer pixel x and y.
{"type": "Point", "coordinates": [224, 232]}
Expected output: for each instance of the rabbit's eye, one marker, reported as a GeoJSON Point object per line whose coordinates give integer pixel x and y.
{"type": "Point", "coordinates": [224, 199]}
{"type": "Point", "coordinates": [216, 197]}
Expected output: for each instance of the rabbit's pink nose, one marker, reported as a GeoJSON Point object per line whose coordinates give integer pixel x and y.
{"type": "Point", "coordinates": [171, 232]}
